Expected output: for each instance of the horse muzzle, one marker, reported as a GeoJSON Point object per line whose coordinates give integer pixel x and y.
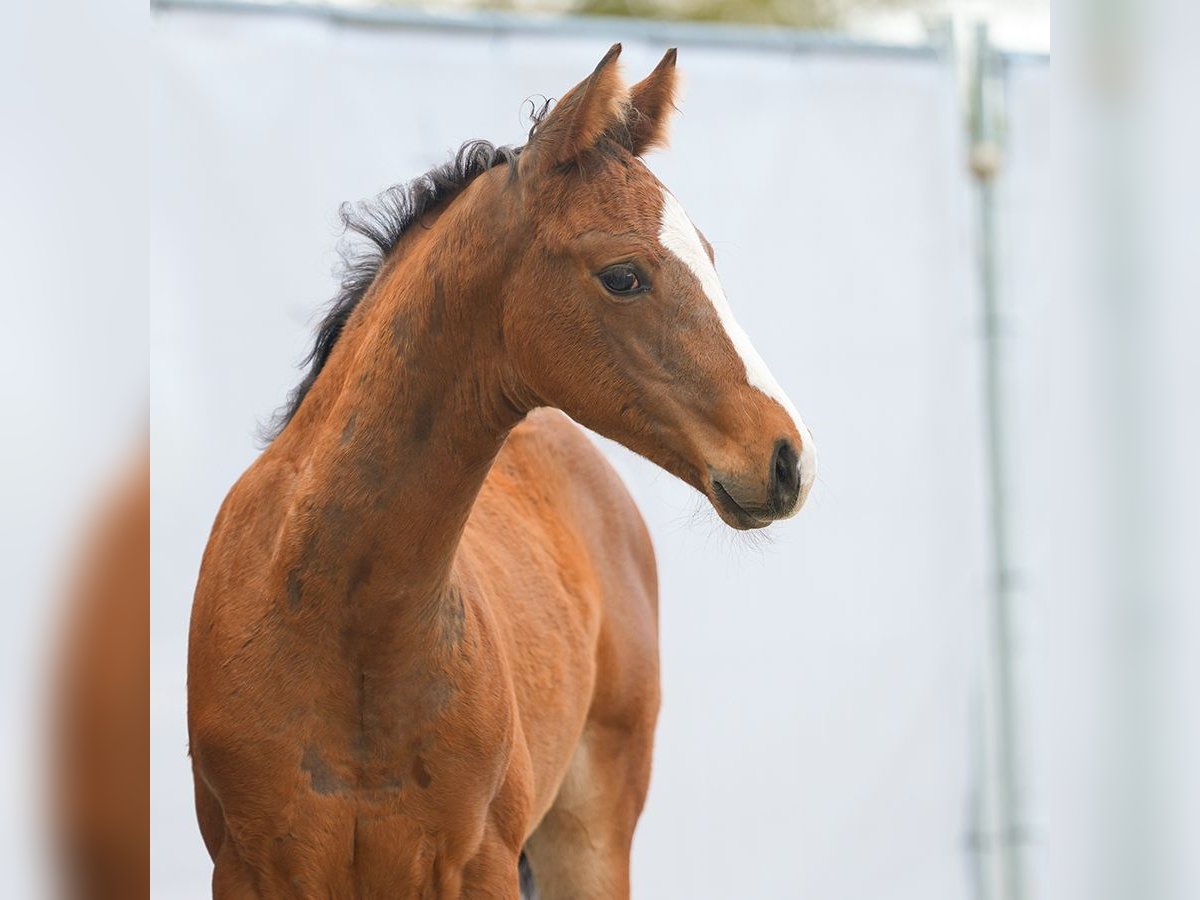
{"type": "Point", "coordinates": [750, 501]}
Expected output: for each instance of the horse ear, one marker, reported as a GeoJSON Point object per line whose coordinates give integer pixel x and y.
{"type": "Point", "coordinates": [652, 99]}
{"type": "Point", "coordinates": [585, 112]}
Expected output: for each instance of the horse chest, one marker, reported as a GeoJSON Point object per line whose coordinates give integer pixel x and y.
{"type": "Point", "coordinates": [407, 804]}
{"type": "Point", "coordinates": [418, 733]}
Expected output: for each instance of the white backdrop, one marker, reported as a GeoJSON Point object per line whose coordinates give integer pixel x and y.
{"type": "Point", "coordinates": [816, 733]}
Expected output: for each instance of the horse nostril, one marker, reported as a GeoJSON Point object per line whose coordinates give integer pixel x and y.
{"type": "Point", "coordinates": [785, 476]}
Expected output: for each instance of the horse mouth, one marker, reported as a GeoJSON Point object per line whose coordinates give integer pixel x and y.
{"type": "Point", "coordinates": [733, 512]}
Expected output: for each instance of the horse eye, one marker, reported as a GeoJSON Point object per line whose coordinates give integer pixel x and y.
{"type": "Point", "coordinates": [621, 279]}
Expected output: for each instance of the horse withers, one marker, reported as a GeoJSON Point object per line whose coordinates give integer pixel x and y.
{"type": "Point", "coordinates": [425, 640]}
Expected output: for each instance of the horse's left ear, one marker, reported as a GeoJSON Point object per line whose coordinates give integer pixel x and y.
{"type": "Point", "coordinates": [576, 123]}
{"type": "Point", "coordinates": [652, 99]}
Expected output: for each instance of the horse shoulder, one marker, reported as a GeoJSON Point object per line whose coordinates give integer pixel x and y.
{"type": "Point", "coordinates": [595, 638]}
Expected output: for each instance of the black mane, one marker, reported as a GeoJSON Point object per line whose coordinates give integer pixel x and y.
{"type": "Point", "coordinates": [375, 227]}
{"type": "Point", "coordinates": [379, 225]}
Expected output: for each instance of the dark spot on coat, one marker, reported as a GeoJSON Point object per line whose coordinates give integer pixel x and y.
{"type": "Point", "coordinates": [295, 587]}
{"type": "Point", "coordinates": [422, 420]}
{"type": "Point", "coordinates": [323, 779]}
{"type": "Point", "coordinates": [331, 531]}
{"type": "Point", "coordinates": [373, 472]}
{"type": "Point", "coordinates": [420, 774]}
{"type": "Point", "coordinates": [359, 574]}
{"type": "Point", "coordinates": [348, 431]}
{"type": "Point", "coordinates": [392, 783]}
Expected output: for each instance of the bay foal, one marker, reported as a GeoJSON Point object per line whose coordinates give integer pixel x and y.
{"type": "Point", "coordinates": [424, 638]}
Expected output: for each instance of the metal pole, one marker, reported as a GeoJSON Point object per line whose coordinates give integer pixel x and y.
{"type": "Point", "coordinates": [1005, 834]}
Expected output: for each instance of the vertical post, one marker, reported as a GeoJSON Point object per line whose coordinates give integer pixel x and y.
{"type": "Point", "coordinates": [1001, 836]}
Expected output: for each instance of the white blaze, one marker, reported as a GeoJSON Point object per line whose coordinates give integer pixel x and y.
{"type": "Point", "coordinates": [678, 235]}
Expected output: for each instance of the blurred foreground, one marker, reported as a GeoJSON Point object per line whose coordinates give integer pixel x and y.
{"type": "Point", "coordinates": [101, 729]}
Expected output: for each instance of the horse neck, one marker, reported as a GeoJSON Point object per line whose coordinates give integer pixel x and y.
{"type": "Point", "coordinates": [396, 436]}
